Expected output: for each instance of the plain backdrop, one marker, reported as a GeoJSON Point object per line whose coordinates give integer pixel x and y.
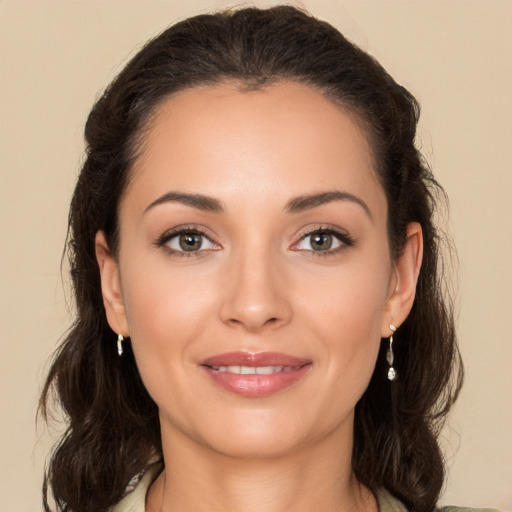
{"type": "Point", "coordinates": [455, 56]}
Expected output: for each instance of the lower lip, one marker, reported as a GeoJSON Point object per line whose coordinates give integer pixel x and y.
{"type": "Point", "coordinates": [256, 386]}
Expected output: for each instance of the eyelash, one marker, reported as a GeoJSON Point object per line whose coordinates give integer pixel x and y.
{"type": "Point", "coordinates": [342, 236]}
{"type": "Point", "coordinates": [188, 230]}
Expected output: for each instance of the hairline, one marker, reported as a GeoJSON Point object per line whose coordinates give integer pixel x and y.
{"type": "Point", "coordinates": [137, 144]}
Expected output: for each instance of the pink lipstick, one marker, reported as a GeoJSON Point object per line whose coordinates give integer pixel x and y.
{"type": "Point", "coordinates": [255, 375]}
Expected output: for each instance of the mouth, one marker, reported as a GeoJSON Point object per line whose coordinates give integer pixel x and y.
{"type": "Point", "coordinates": [255, 375]}
{"type": "Point", "coordinates": [254, 370]}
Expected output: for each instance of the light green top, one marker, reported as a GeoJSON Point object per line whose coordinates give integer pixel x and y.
{"type": "Point", "coordinates": [135, 500]}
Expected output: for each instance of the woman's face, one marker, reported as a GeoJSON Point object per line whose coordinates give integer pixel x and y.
{"type": "Point", "coordinates": [254, 275]}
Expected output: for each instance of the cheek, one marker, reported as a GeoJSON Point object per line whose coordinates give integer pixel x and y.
{"type": "Point", "coordinates": [160, 295]}
{"type": "Point", "coordinates": [344, 312]}
{"type": "Point", "coordinates": [164, 316]}
{"type": "Point", "coordinates": [166, 313]}
{"type": "Point", "coordinates": [347, 299]}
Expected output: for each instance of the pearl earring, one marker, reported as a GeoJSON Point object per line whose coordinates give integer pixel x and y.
{"type": "Point", "coordinates": [390, 357]}
{"type": "Point", "coordinates": [120, 340]}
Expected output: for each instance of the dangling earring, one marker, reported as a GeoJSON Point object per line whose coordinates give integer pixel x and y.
{"type": "Point", "coordinates": [120, 340]}
{"type": "Point", "coordinates": [390, 357]}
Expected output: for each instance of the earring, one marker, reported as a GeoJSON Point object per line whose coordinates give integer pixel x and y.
{"type": "Point", "coordinates": [120, 340]}
{"type": "Point", "coordinates": [390, 357]}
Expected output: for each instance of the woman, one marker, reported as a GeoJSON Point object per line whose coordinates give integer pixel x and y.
{"type": "Point", "coordinates": [260, 315]}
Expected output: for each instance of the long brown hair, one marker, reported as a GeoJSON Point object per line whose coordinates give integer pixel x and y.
{"type": "Point", "coordinates": [113, 427]}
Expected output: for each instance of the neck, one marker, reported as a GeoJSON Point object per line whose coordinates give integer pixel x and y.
{"type": "Point", "coordinates": [317, 477]}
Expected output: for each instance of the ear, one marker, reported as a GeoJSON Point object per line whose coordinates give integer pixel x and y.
{"type": "Point", "coordinates": [111, 286]}
{"type": "Point", "coordinates": [403, 285]}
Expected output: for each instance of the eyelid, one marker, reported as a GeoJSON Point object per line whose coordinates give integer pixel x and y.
{"type": "Point", "coordinates": [345, 239]}
{"type": "Point", "coordinates": [168, 235]}
{"type": "Point", "coordinates": [342, 235]}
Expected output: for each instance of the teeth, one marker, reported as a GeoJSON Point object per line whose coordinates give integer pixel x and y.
{"type": "Point", "coordinates": [253, 370]}
{"type": "Point", "coordinates": [267, 370]}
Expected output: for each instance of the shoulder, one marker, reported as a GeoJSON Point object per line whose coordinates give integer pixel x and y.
{"type": "Point", "coordinates": [388, 503]}
{"type": "Point", "coordinates": [135, 497]}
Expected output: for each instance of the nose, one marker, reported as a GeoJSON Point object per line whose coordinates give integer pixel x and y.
{"type": "Point", "coordinates": [255, 295]}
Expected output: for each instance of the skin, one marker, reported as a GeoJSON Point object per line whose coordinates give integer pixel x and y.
{"type": "Point", "coordinates": [257, 284]}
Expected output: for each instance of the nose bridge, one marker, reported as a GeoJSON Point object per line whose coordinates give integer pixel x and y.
{"type": "Point", "coordinates": [255, 295]}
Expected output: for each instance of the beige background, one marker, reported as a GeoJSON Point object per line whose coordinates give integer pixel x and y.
{"type": "Point", "coordinates": [454, 56]}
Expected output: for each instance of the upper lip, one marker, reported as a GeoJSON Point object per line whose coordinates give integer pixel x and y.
{"type": "Point", "coordinates": [254, 359]}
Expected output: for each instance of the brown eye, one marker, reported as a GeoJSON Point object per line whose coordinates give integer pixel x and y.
{"type": "Point", "coordinates": [326, 240]}
{"type": "Point", "coordinates": [190, 241]}
{"type": "Point", "coordinates": [321, 241]}
{"type": "Point", "coordinates": [187, 241]}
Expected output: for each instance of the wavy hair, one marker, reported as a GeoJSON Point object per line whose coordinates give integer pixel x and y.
{"type": "Point", "coordinates": [113, 427]}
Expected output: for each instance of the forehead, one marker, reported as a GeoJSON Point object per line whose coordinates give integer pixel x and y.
{"type": "Point", "coordinates": [281, 140]}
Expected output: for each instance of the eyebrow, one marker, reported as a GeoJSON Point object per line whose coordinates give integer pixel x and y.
{"type": "Point", "coordinates": [307, 202]}
{"type": "Point", "coordinates": [295, 205]}
{"type": "Point", "coordinates": [205, 203]}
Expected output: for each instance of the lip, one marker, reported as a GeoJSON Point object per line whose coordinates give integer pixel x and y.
{"type": "Point", "coordinates": [287, 370]}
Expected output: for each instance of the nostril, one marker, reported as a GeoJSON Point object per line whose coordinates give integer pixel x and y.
{"type": "Point", "coordinates": [254, 309]}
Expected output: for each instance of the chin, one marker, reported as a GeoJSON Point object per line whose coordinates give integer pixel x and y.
{"type": "Point", "coordinates": [255, 445]}
{"type": "Point", "coordinates": [267, 434]}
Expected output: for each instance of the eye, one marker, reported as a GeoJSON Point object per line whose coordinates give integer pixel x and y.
{"type": "Point", "coordinates": [323, 240]}
{"type": "Point", "coordinates": [186, 241]}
